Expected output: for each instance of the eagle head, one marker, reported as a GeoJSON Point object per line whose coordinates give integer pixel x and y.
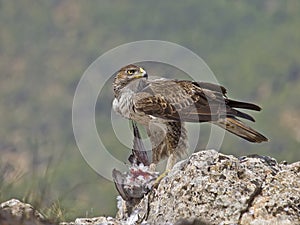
{"type": "Point", "coordinates": [126, 75]}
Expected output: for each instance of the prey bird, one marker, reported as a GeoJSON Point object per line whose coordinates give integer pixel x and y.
{"type": "Point", "coordinates": [163, 106]}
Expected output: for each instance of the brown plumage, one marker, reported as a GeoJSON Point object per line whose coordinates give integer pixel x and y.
{"type": "Point", "coordinates": [163, 105]}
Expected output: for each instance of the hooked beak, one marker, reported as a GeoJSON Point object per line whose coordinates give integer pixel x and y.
{"type": "Point", "coordinates": [142, 74]}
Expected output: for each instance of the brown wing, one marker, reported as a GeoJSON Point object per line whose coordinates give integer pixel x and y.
{"type": "Point", "coordinates": [188, 101]}
{"type": "Point", "coordinates": [139, 152]}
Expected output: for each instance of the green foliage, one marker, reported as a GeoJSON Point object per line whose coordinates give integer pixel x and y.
{"type": "Point", "coordinates": [252, 47]}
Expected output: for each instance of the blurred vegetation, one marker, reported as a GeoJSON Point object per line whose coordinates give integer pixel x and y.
{"type": "Point", "coordinates": [251, 46]}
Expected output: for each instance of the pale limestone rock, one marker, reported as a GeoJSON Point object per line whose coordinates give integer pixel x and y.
{"type": "Point", "coordinates": [223, 189]}
{"type": "Point", "coordinates": [210, 188]}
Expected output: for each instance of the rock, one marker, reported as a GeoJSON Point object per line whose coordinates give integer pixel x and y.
{"type": "Point", "coordinates": [279, 200]}
{"type": "Point", "coordinates": [15, 212]}
{"type": "Point", "coordinates": [208, 188]}
{"type": "Point", "coordinates": [97, 220]}
{"type": "Point", "coordinates": [222, 189]}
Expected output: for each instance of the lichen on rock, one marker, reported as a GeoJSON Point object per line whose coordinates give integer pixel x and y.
{"type": "Point", "coordinates": [212, 188]}
{"type": "Point", "coordinates": [222, 189]}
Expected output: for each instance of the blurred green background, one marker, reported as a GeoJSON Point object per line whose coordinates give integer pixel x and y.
{"type": "Point", "coordinates": [253, 48]}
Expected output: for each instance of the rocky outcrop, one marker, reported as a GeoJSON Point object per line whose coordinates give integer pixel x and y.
{"type": "Point", "coordinates": [222, 189]}
{"type": "Point", "coordinates": [15, 212]}
{"type": "Point", "coordinates": [213, 188]}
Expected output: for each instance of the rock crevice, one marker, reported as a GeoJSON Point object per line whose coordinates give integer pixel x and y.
{"type": "Point", "coordinates": [213, 188]}
{"type": "Point", "coordinates": [222, 189]}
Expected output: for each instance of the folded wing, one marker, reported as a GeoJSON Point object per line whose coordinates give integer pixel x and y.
{"type": "Point", "coordinates": [188, 101]}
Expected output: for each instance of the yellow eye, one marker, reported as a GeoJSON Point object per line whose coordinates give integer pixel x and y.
{"type": "Point", "coordinates": [130, 72]}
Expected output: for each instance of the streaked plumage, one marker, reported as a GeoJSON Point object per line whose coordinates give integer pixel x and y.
{"type": "Point", "coordinates": [164, 105]}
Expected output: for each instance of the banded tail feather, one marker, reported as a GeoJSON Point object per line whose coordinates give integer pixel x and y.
{"type": "Point", "coordinates": [240, 129]}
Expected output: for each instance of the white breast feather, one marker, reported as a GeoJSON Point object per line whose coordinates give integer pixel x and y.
{"type": "Point", "coordinates": [123, 105]}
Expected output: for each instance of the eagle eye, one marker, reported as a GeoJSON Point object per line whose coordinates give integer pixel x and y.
{"type": "Point", "coordinates": [130, 72]}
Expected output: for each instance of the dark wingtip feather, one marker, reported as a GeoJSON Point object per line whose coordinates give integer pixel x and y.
{"type": "Point", "coordinates": [242, 105]}
{"type": "Point", "coordinates": [244, 115]}
{"type": "Point", "coordinates": [139, 154]}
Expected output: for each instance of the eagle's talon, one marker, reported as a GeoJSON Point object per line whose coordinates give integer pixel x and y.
{"type": "Point", "coordinates": [160, 177]}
